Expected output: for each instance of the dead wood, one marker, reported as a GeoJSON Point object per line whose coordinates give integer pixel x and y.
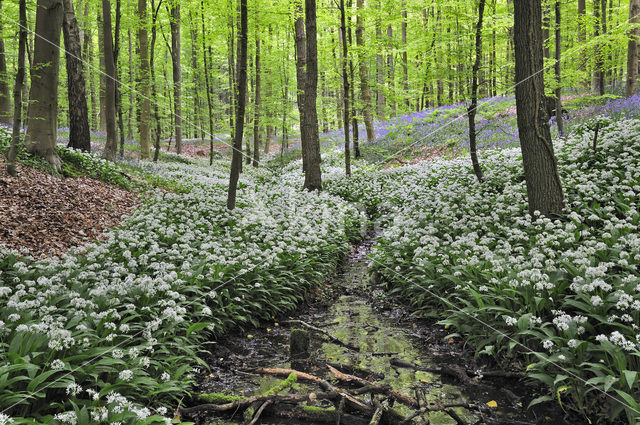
{"type": "Point", "coordinates": [301, 415]}
{"type": "Point", "coordinates": [244, 403]}
{"type": "Point", "coordinates": [259, 412]}
{"type": "Point", "coordinates": [358, 371]}
{"type": "Point", "coordinates": [323, 332]}
{"type": "Point", "coordinates": [377, 415]}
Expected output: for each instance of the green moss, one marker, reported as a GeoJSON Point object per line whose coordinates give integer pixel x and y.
{"type": "Point", "coordinates": [218, 398]}
{"type": "Point", "coordinates": [284, 384]}
{"type": "Point", "coordinates": [320, 412]}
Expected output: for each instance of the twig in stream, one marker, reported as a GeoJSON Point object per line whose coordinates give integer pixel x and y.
{"type": "Point", "coordinates": [323, 332]}
{"type": "Point", "coordinates": [259, 412]}
{"type": "Point", "coordinates": [455, 417]}
{"type": "Point", "coordinates": [377, 415]}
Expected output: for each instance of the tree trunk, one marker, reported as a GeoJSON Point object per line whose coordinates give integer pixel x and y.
{"type": "Point", "coordinates": [111, 145]}
{"type": "Point", "coordinates": [144, 105]}
{"type": "Point", "coordinates": [544, 188]}
{"type": "Point", "coordinates": [474, 95]}
{"type": "Point", "coordinates": [631, 86]}
{"type": "Point", "coordinates": [207, 86]}
{"type": "Point", "coordinates": [5, 99]}
{"type": "Point", "coordinates": [364, 78]}
{"type": "Point", "coordinates": [345, 88]}
{"type": "Point", "coordinates": [102, 121]}
{"type": "Point", "coordinates": [301, 63]}
{"type": "Point", "coordinates": [236, 161]}
{"type": "Point", "coordinates": [43, 107]}
{"type": "Point", "coordinates": [603, 73]}
{"type": "Point", "coordinates": [405, 61]}
{"type": "Point", "coordinates": [380, 63]}
{"type": "Point", "coordinates": [354, 115]}
{"type": "Point", "coordinates": [582, 37]}
{"type": "Point", "coordinates": [598, 76]}
{"type": "Point", "coordinates": [177, 73]}
{"type": "Point", "coordinates": [392, 72]}
{"type": "Point", "coordinates": [258, 99]}
{"type": "Point", "coordinates": [313, 175]}
{"type": "Point", "coordinates": [558, 91]}
{"type": "Point", "coordinates": [116, 56]}
{"type": "Point", "coordinates": [131, 95]}
{"type": "Point", "coordinates": [79, 132]}
{"type": "Point", "coordinates": [17, 91]}
{"type": "Point", "coordinates": [154, 90]}
{"type": "Point", "coordinates": [196, 79]}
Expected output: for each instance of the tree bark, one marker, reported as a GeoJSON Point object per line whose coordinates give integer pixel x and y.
{"type": "Point", "coordinates": [196, 79]}
{"type": "Point", "coordinates": [405, 61]}
{"type": "Point", "coordinates": [598, 74]}
{"type": "Point", "coordinates": [474, 95]}
{"type": "Point", "coordinates": [582, 36]}
{"type": "Point", "coordinates": [176, 49]}
{"type": "Point", "coordinates": [102, 121]}
{"type": "Point", "coordinates": [236, 161]}
{"type": "Point", "coordinates": [17, 91]}
{"type": "Point", "coordinates": [354, 115]}
{"type": "Point", "coordinates": [207, 86]}
{"type": "Point", "coordinates": [111, 145]}
{"type": "Point", "coordinates": [558, 56]}
{"type": "Point", "coordinates": [258, 99]}
{"type": "Point", "coordinates": [301, 63]}
{"type": "Point", "coordinates": [544, 188]}
{"type": "Point", "coordinates": [364, 78]}
{"type": "Point", "coordinates": [79, 132]}
{"type": "Point", "coordinates": [631, 86]}
{"type": "Point", "coordinates": [392, 72]}
{"type": "Point", "coordinates": [42, 114]}
{"type": "Point", "coordinates": [380, 63]}
{"type": "Point", "coordinates": [154, 90]}
{"type": "Point", "coordinates": [118, 91]}
{"type": "Point", "coordinates": [345, 88]}
{"type": "Point", "coordinates": [313, 175]}
{"type": "Point", "coordinates": [5, 99]}
{"type": "Point", "coordinates": [144, 105]}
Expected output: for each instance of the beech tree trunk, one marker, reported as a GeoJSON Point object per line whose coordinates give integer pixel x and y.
{"type": "Point", "coordinates": [177, 73]}
{"type": "Point", "coordinates": [405, 61]}
{"type": "Point", "coordinates": [474, 95]}
{"type": "Point", "coordinates": [111, 145]}
{"type": "Point", "coordinates": [258, 99]}
{"type": "Point", "coordinates": [17, 91]}
{"type": "Point", "coordinates": [364, 78]}
{"type": "Point", "coordinates": [345, 88]}
{"type": "Point", "coordinates": [241, 97]}
{"type": "Point", "coordinates": [352, 86]}
{"type": "Point", "coordinates": [598, 74]}
{"type": "Point", "coordinates": [558, 55]}
{"type": "Point", "coordinates": [42, 114]}
{"type": "Point", "coordinates": [5, 99]}
{"type": "Point", "coordinates": [197, 85]}
{"type": "Point", "coordinates": [391, 72]}
{"type": "Point", "coordinates": [301, 63]}
{"type": "Point", "coordinates": [631, 86]}
{"type": "Point", "coordinates": [116, 56]}
{"type": "Point", "coordinates": [79, 132]}
{"type": "Point", "coordinates": [207, 86]}
{"type": "Point", "coordinates": [582, 36]}
{"type": "Point", "coordinates": [380, 63]}
{"type": "Point", "coordinates": [144, 105]}
{"type": "Point", "coordinates": [544, 188]}
{"type": "Point", "coordinates": [102, 121]}
{"type": "Point", "coordinates": [154, 89]}
{"type": "Point", "coordinates": [313, 175]}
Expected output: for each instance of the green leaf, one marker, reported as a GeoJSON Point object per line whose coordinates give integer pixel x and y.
{"type": "Point", "coordinates": [630, 377]}
{"type": "Point", "coordinates": [197, 327]}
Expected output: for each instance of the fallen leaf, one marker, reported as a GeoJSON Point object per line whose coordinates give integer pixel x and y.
{"type": "Point", "coordinates": [492, 403]}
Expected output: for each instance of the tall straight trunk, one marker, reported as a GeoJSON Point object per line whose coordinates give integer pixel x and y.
{"type": "Point", "coordinates": [87, 55]}
{"type": "Point", "coordinates": [474, 95]}
{"type": "Point", "coordinates": [154, 90]}
{"type": "Point", "coordinates": [603, 20]}
{"type": "Point", "coordinates": [231, 63]}
{"type": "Point", "coordinates": [111, 145]}
{"type": "Point", "coordinates": [301, 63]}
{"type": "Point", "coordinates": [545, 32]}
{"type": "Point", "coordinates": [354, 115]}
{"type": "Point", "coordinates": [364, 77]}
{"type": "Point", "coordinates": [380, 65]}
{"type": "Point", "coordinates": [558, 91]}
{"type": "Point", "coordinates": [544, 188]}
{"type": "Point", "coordinates": [43, 107]}
{"type": "Point", "coordinates": [144, 105]}
{"type": "Point", "coordinates": [345, 88]}
{"type": "Point", "coordinates": [313, 175]}
{"type": "Point", "coordinates": [79, 132]}
{"type": "Point", "coordinates": [5, 99]}
{"type": "Point", "coordinates": [116, 56]}
{"type": "Point", "coordinates": [582, 37]}
{"type": "Point", "coordinates": [102, 120]}
{"type": "Point", "coordinates": [236, 161]}
{"type": "Point", "coordinates": [131, 96]}
{"type": "Point", "coordinates": [207, 85]}
{"type": "Point", "coordinates": [598, 75]}
{"type": "Point", "coordinates": [196, 80]}
{"type": "Point", "coordinates": [631, 86]}
{"type": "Point", "coordinates": [248, 155]}
{"type": "Point", "coordinates": [405, 62]}
{"type": "Point", "coordinates": [285, 102]}
{"type": "Point", "coordinates": [17, 91]}
{"type": "Point", "coordinates": [176, 50]}
{"type": "Point", "coordinates": [391, 70]}
{"type": "Point", "coordinates": [258, 99]}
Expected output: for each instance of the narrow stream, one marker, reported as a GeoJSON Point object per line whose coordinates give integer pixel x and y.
{"type": "Point", "coordinates": [350, 309]}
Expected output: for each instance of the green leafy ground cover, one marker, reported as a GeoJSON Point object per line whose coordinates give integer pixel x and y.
{"type": "Point", "coordinates": [568, 289]}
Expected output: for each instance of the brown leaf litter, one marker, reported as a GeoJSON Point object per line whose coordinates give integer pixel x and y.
{"type": "Point", "coordinates": [49, 215]}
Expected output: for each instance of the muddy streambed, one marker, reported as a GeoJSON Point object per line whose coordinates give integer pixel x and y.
{"type": "Point", "coordinates": [352, 310]}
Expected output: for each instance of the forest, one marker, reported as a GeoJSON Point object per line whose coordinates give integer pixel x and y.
{"type": "Point", "coordinates": [319, 211]}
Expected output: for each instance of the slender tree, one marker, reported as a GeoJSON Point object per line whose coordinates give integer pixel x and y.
{"type": "Point", "coordinates": [474, 95]}
{"type": "Point", "coordinates": [558, 55]}
{"type": "Point", "coordinates": [176, 50]}
{"type": "Point", "coordinates": [154, 90]}
{"type": "Point", "coordinates": [144, 104]}
{"type": "Point", "coordinates": [257, 103]}
{"type": "Point", "coordinates": [111, 145]}
{"type": "Point", "coordinates": [79, 132]}
{"type": "Point", "coordinates": [17, 90]}
{"type": "Point", "coordinates": [207, 86]}
{"type": "Point", "coordinates": [116, 56]}
{"type": "Point", "coordinates": [345, 88]}
{"type": "Point", "coordinates": [301, 63]}
{"type": "Point", "coordinates": [544, 188]}
{"type": "Point", "coordinates": [631, 86]}
{"type": "Point", "coordinates": [364, 77]}
{"type": "Point", "coordinates": [5, 99]}
{"type": "Point", "coordinates": [236, 161]}
{"type": "Point", "coordinates": [313, 175]}
{"type": "Point", "coordinates": [42, 114]}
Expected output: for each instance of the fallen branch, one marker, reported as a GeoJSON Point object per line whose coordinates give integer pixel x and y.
{"type": "Point", "coordinates": [259, 412]}
{"type": "Point", "coordinates": [323, 332]}
{"type": "Point", "coordinates": [377, 415]}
